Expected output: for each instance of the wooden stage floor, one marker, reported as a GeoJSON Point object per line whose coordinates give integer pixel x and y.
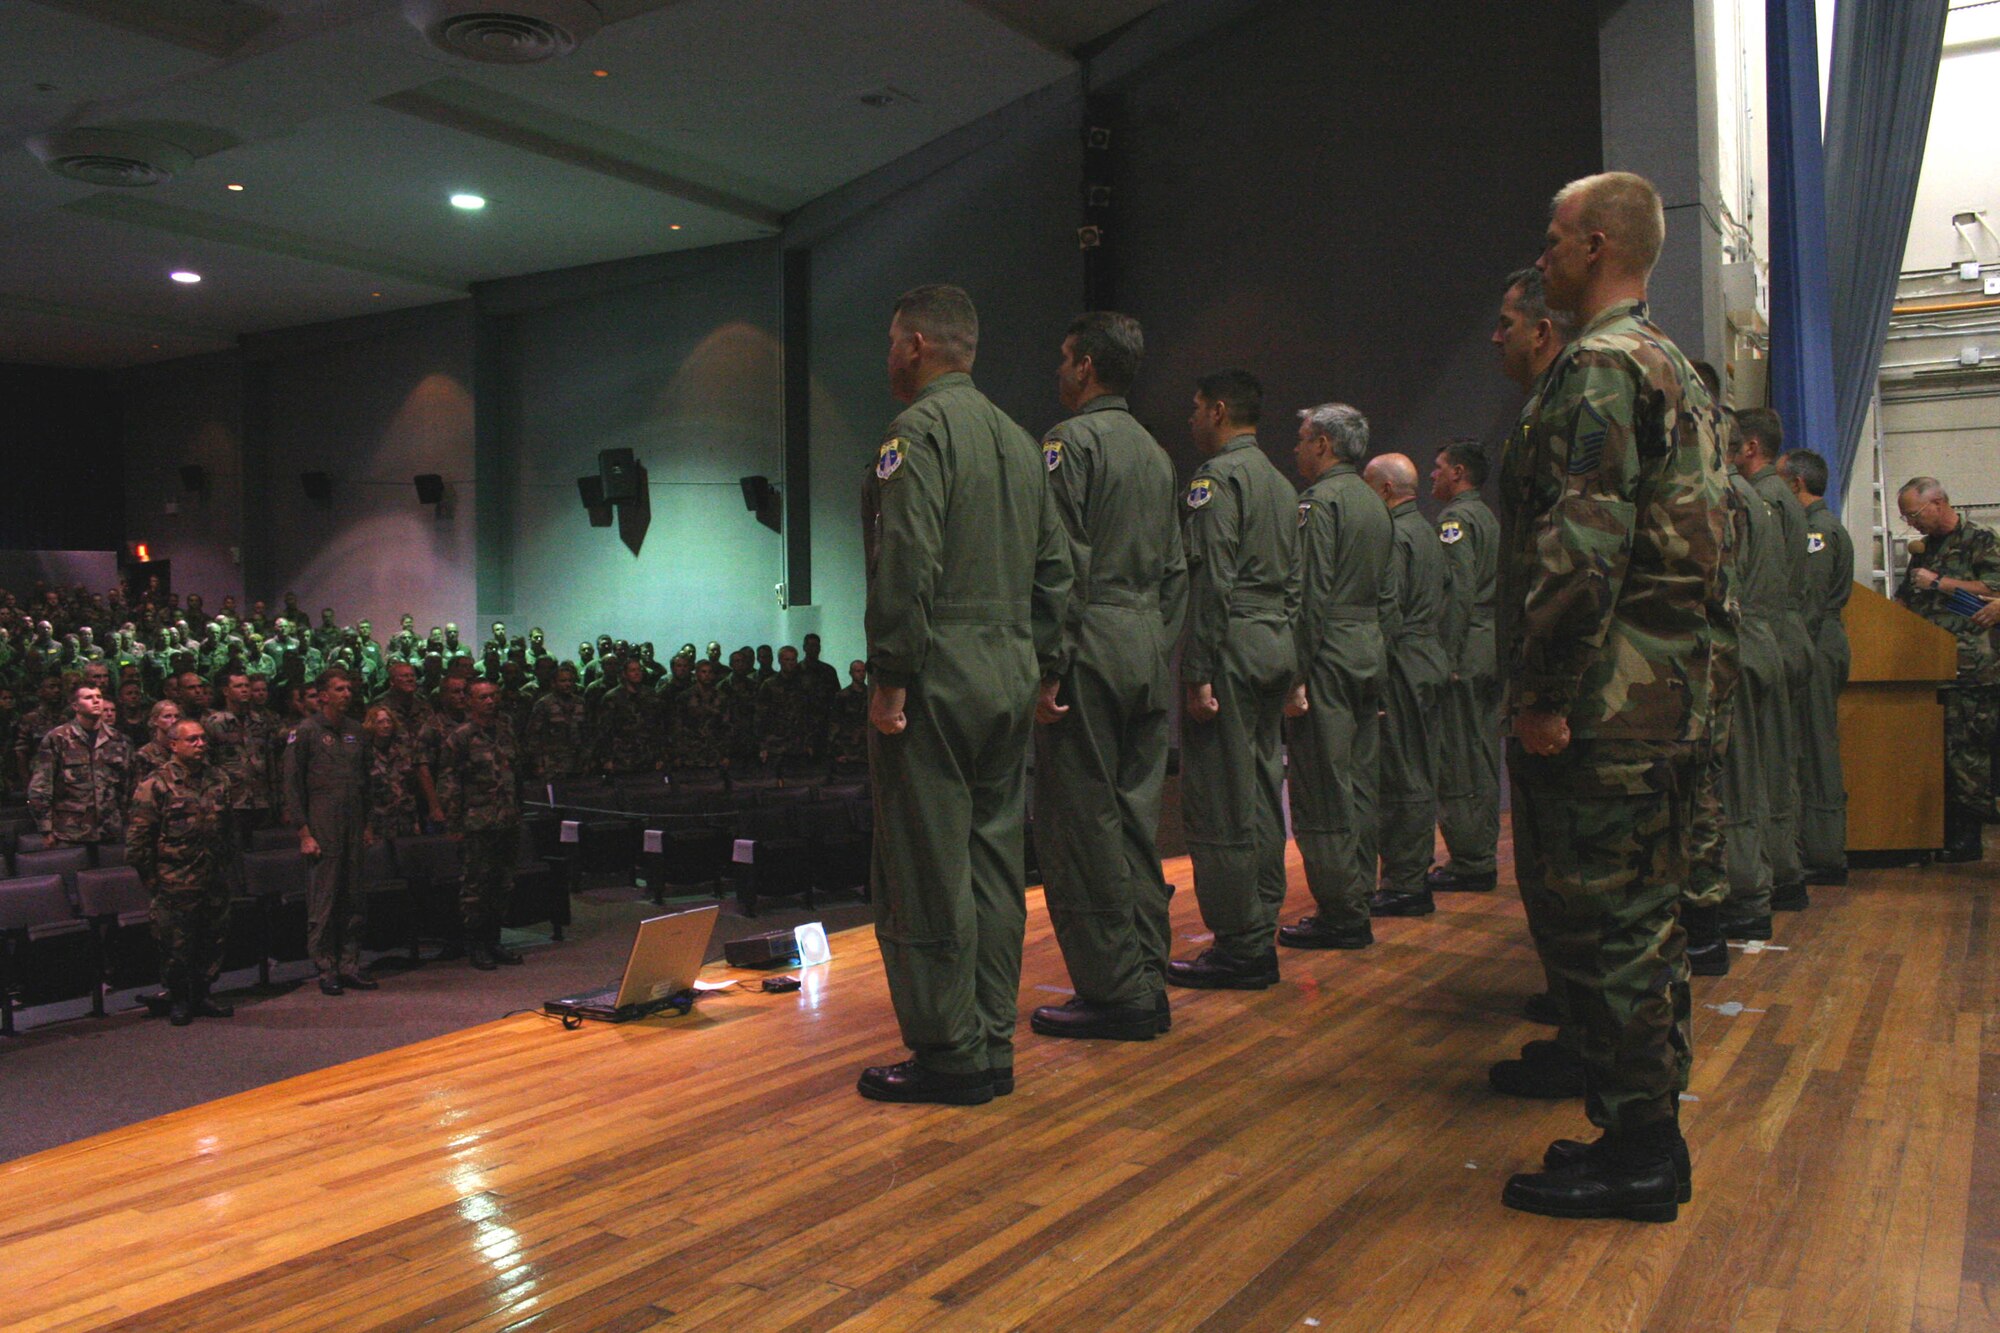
{"type": "Point", "coordinates": [1325, 1154]}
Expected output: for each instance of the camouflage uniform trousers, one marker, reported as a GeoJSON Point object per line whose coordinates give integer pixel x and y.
{"type": "Point", "coordinates": [190, 925]}
{"type": "Point", "coordinates": [1971, 725]}
{"type": "Point", "coordinates": [1601, 837]}
{"type": "Point", "coordinates": [487, 857]}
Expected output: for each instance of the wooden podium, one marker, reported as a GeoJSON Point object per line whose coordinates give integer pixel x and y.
{"type": "Point", "coordinates": [1892, 725]}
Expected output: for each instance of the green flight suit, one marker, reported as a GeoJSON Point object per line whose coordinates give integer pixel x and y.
{"type": "Point", "coordinates": [1758, 718]}
{"type": "Point", "coordinates": [1616, 533]}
{"type": "Point", "coordinates": [1468, 772]}
{"type": "Point", "coordinates": [1241, 536]}
{"type": "Point", "coordinates": [1418, 669]}
{"type": "Point", "coordinates": [1822, 790]}
{"type": "Point", "coordinates": [968, 573]}
{"type": "Point", "coordinates": [1099, 770]}
{"type": "Point", "coordinates": [1781, 752]}
{"type": "Point", "coordinates": [1344, 549]}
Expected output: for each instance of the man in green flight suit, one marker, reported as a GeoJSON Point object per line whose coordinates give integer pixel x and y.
{"type": "Point", "coordinates": [1239, 662]}
{"type": "Point", "coordinates": [1407, 794]}
{"type": "Point", "coordinates": [1468, 772]}
{"type": "Point", "coordinates": [1613, 555]}
{"type": "Point", "coordinates": [1955, 555]}
{"type": "Point", "coordinates": [968, 573]}
{"type": "Point", "coordinates": [1829, 583]}
{"type": "Point", "coordinates": [1758, 713]}
{"type": "Point", "coordinates": [1334, 731]}
{"type": "Point", "coordinates": [1101, 751]}
{"type": "Point", "coordinates": [1760, 438]}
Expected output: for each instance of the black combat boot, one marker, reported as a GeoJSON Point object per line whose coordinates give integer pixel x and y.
{"type": "Point", "coordinates": [1309, 932]}
{"type": "Point", "coordinates": [1079, 1017]}
{"type": "Point", "coordinates": [203, 1005]}
{"type": "Point", "coordinates": [1569, 1154]}
{"type": "Point", "coordinates": [1630, 1174]}
{"type": "Point", "coordinates": [1707, 946]}
{"type": "Point", "coordinates": [1547, 1070]}
{"type": "Point", "coordinates": [1963, 839]}
{"type": "Point", "coordinates": [1216, 970]}
{"type": "Point", "coordinates": [181, 1012]}
{"type": "Point", "coordinates": [1448, 879]}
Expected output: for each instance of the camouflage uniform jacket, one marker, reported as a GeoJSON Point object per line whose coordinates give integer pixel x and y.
{"type": "Point", "coordinates": [79, 784]}
{"type": "Point", "coordinates": [478, 781]}
{"type": "Point", "coordinates": [237, 749]}
{"type": "Point", "coordinates": [848, 731]}
{"type": "Point", "coordinates": [739, 702]}
{"type": "Point", "coordinates": [557, 739]}
{"type": "Point", "coordinates": [35, 724]}
{"type": "Point", "coordinates": [701, 727]}
{"type": "Point", "coordinates": [629, 729]}
{"type": "Point", "coordinates": [392, 788]}
{"type": "Point", "coordinates": [1617, 525]}
{"type": "Point", "coordinates": [149, 759]}
{"type": "Point", "coordinates": [785, 711]}
{"type": "Point", "coordinates": [1971, 552]}
{"type": "Point", "coordinates": [431, 738]}
{"type": "Point", "coordinates": [178, 830]}
{"type": "Point", "coordinates": [412, 710]}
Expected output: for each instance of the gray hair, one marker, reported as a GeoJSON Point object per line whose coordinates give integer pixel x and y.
{"type": "Point", "coordinates": [1925, 488]}
{"type": "Point", "coordinates": [1344, 427]}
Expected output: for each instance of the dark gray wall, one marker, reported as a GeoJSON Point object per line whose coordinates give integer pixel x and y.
{"type": "Point", "coordinates": [684, 370]}
{"type": "Point", "coordinates": [187, 412]}
{"type": "Point", "coordinates": [372, 403]}
{"type": "Point", "coordinates": [1331, 197]}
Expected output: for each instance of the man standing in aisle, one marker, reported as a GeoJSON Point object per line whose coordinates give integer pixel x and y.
{"type": "Point", "coordinates": [1417, 669]}
{"type": "Point", "coordinates": [1468, 772]}
{"type": "Point", "coordinates": [177, 840]}
{"type": "Point", "coordinates": [1334, 732]}
{"type": "Point", "coordinates": [968, 573]}
{"type": "Point", "coordinates": [1238, 664]}
{"type": "Point", "coordinates": [326, 797]}
{"type": "Point", "coordinates": [1101, 751]}
{"type": "Point", "coordinates": [1829, 583]}
{"type": "Point", "coordinates": [1613, 558]}
{"type": "Point", "coordinates": [480, 785]}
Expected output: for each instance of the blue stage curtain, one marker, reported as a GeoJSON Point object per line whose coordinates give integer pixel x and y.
{"type": "Point", "coordinates": [1878, 104]}
{"type": "Point", "coordinates": [1801, 324]}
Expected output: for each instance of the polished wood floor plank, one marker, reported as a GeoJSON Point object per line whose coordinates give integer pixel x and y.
{"type": "Point", "coordinates": [1325, 1151]}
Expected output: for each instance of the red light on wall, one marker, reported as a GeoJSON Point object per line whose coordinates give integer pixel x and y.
{"type": "Point", "coordinates": [141, 553]}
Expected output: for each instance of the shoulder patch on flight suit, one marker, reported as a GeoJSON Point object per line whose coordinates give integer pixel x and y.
{"type": "Point", "coordinates": [1052, 454]}
{"type": "Point", "coordinates": [1586, 451]}
{"type": "Point", "coordinates": [1815, 543]}
{"type": "Point", "coordinates": [1200, 492]}
{"type": "Point", "coordinates": [889, 458]}
{"type": "Point", "coordinates": [1451, 531]}
{"type": "Point", "coordinates": [1305, 511]}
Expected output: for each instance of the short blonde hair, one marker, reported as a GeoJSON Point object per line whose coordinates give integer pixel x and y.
{"type": "Point", "coordinates": [1626, 208]}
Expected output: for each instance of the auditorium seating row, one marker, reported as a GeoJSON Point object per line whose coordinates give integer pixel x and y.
{"type": "Point", "coordinates": [74, 923]}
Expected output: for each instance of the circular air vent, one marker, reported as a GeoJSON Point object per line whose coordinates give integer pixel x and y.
{"type": "Point", "coordinates": [505, 32]}
{"type": "Point", "coordinates": [110, 157]}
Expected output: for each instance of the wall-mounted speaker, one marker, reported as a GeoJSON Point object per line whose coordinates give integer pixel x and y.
{"type": "Point", "coordinates": [430, 488]}
{"type": "Point", "coordinates": [619, 472]}
{"type": "Point", "coordinates": [193, 476]}
{"type": "Point", "coordinates": [318, 487]}
{"type": "Point", "coordinates": [591, 491]}
{"type": "Point", "coordinates": [756, 492]}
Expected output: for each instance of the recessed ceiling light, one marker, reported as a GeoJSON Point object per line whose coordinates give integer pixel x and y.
{"type": "Point", "coordinates": [183, 275]}
{"type": "Point", "coordinates": [471, 203]}
{"type": "Point", "coordinates": [673, 226]}
{"type": "Point", "coordinates": [374, 293]}
{"type": "Point", "coordinates": [237, 188]}
{"type": "Point", "coordinates": [601, 73]}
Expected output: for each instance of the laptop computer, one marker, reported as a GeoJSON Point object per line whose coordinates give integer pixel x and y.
{"type": "Point", "coordinates": [666, 957]}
